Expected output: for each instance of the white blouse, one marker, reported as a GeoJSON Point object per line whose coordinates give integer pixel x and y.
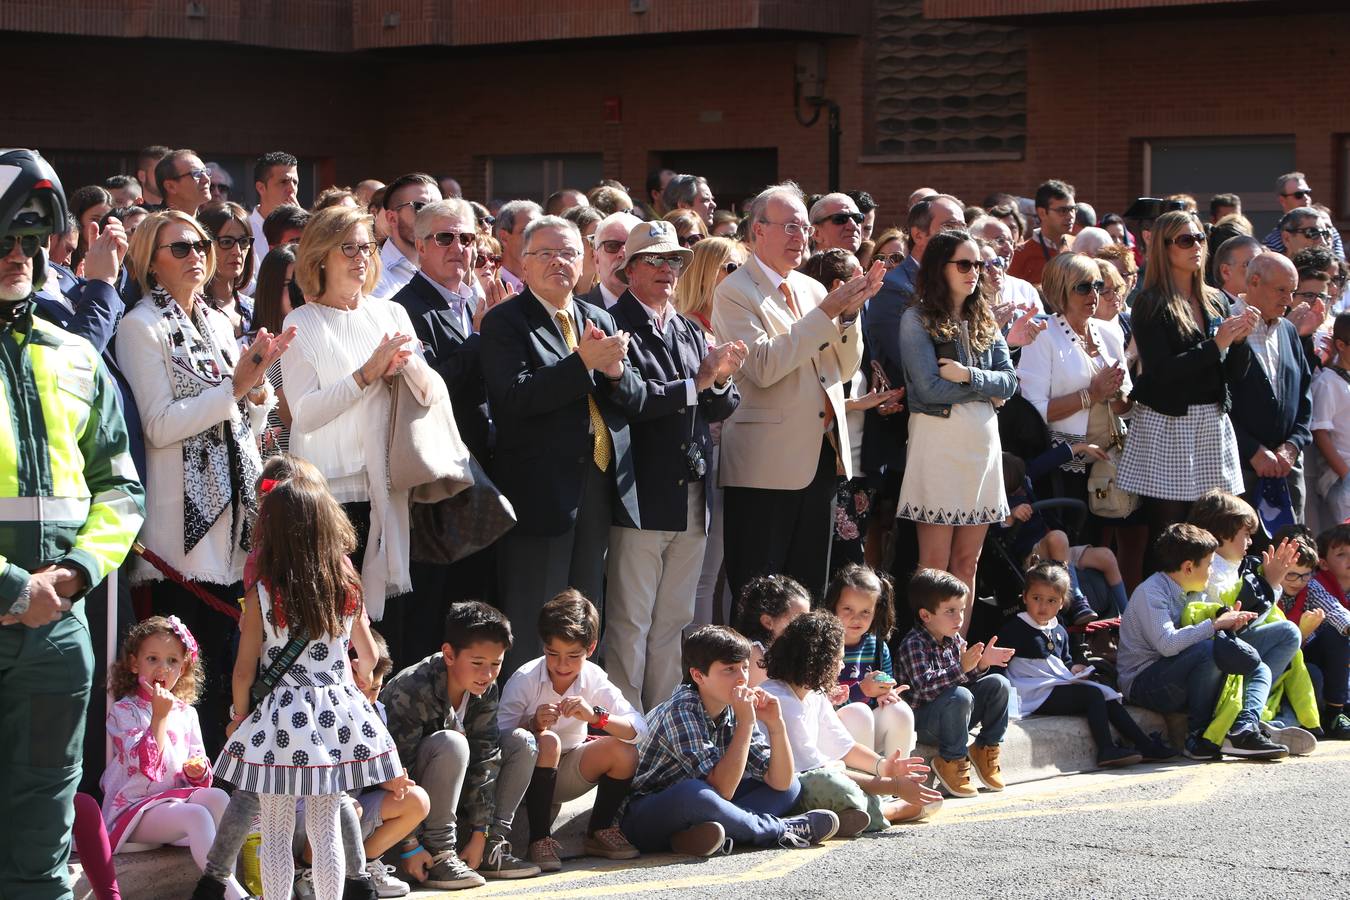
{"type": "Point", "coordinates": [1056, 364]}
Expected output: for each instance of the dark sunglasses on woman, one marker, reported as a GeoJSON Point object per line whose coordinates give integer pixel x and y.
{"type": "Point", "coordinates": [965, 265]}
{"type": "Point", "coordinates": [1083, 288]}
{"type": "Point", "coordinates": [690, 239]}
{"type": "Point", "coordinates": [180, 249]}
{"type": "Point", "coordinates": [484, 258]}
{"type": "Point", "coordinates": [731, 267]}
{"type": "Point", "coordinates": [1186, 241]}
{"type": "Point", "coordinates": [891, 260]}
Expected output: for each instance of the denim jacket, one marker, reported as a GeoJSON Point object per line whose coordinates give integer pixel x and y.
{"type": "Point", "coordinates": [992, 375]}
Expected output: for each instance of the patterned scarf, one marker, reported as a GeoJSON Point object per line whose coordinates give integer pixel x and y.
{"type": "Point", "coordinates": [218, 472]}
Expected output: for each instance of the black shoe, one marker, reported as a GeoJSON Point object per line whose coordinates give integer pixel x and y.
{"type": "Point", "coordinates": [1250, 743]}
{"type": "Point", "coordinates": [359, 889]}
{"type": "Point", "coordinates": [1200, 748]}
{"type": "Point", "coordinates": [1118, 756]}
{"type": "Point", "coordinates": [1337, 727]}
{"type": "Point", "coordinates": [1157, 750]}
{"type": "Point", "coordinates": [208, 889]}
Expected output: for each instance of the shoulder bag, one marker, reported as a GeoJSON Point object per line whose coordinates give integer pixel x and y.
{"type": "Point", "coordinates": [1105, 497]}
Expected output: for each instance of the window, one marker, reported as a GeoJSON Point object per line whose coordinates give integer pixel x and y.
{"type": "Point", "coordinates": [1203, 167]}
{"type": "Point", "coordinates": [536, 176]}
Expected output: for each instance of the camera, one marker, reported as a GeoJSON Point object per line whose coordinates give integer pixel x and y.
{"type": "Point", "coordinates": [693, 459]}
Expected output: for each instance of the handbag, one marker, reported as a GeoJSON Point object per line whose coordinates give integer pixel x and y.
{"type": "Point", "coordinates": [1105, 496]}
{"type": "Point", "coordinates": [426, 455]}
{"type": "Point", "coordinates": [451, 529]}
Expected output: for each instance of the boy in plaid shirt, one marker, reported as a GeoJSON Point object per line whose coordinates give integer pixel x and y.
{"type": "Point", "coordinates": [706, 776]}
{"type": "Point", "coordinates": [951, 687]}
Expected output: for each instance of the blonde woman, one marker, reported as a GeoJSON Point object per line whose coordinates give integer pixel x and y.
{"type": "Point", "coordinates": [689, 227]}
{"type": "Point", "coordinates": [202, 404]}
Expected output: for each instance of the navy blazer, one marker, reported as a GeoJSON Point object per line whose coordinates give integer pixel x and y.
{"type": "Point", "coordinates": [885, 437]}
{"type": "Point", "coordinates": [1258, 419]}
{"type": "Point", "coordinates": [454, 355]}
{"type": "Point", "coordinates": [537, 391]}
{"type": "Point", "coordinates": [661, 432]}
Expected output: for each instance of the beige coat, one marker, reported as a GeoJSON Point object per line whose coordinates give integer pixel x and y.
{"type": "Point", "coordinates": [772, 441]}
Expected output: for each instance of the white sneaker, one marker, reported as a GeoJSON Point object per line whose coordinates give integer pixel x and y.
{"type": "Point", "coordinates": [386, 885]}
{"type": "Point", "coordinates": [304, 885]}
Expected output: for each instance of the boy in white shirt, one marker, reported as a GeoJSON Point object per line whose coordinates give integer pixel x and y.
{"type": "Point", "coordinates": [557, 696]}
{"type": "Point", "coordinates": [1331, 423]}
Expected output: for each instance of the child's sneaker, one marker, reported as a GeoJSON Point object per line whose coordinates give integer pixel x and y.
{"type": "Point", "coordinates": [954, 776]}
{"type": "Point", "coordinates": [986, 766]}
{"type": "Point", "coordinates": [809, 828]}
{"type": "Point", "coordinates": [1157, 750]}
{"type": "Point", "coordinates": [1118, 756]}
{"type": "Point", "coordinates": [382, 877]}
{"type": "Point", "coordinates": [703, 839]}
{"type": "Point", "coordinates": [853, 822]}
{"type": "Point", "coordinates": [1338, 729]}
{"type": "Point", "coordinates": [1080, 610]}
{"type": "Point", "coordinates": [304, 884]}
{"type": "Point", "coordinates": [544, 854]}
{"type": "Point", "coordinates": [1300, 742]}
{"type": "Point", "coordinates": [498, 862]}
{"type": "Point", "coordinates": [1250, 743]}
{"type": "Point", "coordinates": [208, 889]}
{"type": "Point", "coordinates": [608, 843]}
{"type": "Point", "coordinates": [1200, 748]}
{"type": "Point", "coordinates": [448, 872]}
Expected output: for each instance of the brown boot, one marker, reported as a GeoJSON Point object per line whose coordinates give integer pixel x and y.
{"type": "Point", "coordinates": [987, 767]}
{"type": "Point", "coordinates": [954, 776]}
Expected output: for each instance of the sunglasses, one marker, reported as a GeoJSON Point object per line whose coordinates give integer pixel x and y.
{"type": "Point", "coordinates": [180, 249]}
{"type": "Point", "coordinates": [610, 247]}
{"type": "Point", "coordinates": [486, 259]}
{"type": "Point", "coordinates": [1186, 241]}
{"type": "Point", "coordinates": [415, 204]}
{"type": "Point", "coordinates": [965, 265]}
{"type": "Point", "coordinates": [1312, 234]}
{"type": "Point", "coordinates": [229, 243]}
{"type": "Point", "coordinates": [28, 243]}
{"type": "Point", "coordinates": [731, 267]}
{"type": "Point", "coordinates": [351, 251]}
{"type": "Point", "coordinates": [1302, 195]}
{"type": "Point", "coordinates": [842, 218]}
{"type": "Point", "coordinates": [690, 239]}
{"type": "Point", "coordinates": [676, 263]}
{"type": "Point", "coordinates": [446, 238]}
{"type": "Point", "coordinates": [1084, 288]}
{"type": "Point", "coordinates": [891, 260]}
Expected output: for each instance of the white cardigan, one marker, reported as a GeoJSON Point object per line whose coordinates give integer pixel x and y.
{"type": "Point", "coordinates": [143, 356]}
{"type": "Point", "coordinates": [1055, 365]}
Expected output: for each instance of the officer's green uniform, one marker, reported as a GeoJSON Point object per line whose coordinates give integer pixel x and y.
{"type": "Point", "coordinates": [69, 495]}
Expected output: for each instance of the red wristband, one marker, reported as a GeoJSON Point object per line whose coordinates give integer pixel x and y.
{"type": "Point", "coordinates": [601, 722]}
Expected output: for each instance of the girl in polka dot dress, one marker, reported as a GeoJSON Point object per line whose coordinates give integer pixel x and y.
{"type": "Point", "coordinates": [314, 735]}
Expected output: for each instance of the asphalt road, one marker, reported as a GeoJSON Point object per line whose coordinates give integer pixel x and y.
{"type": "Point", "coordinates": [1223, 830]}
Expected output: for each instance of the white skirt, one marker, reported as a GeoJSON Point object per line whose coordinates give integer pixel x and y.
{"type": "Point", "coordinates": [954, 468]}
{"type": "Point", "coordinates": [1180, 457]}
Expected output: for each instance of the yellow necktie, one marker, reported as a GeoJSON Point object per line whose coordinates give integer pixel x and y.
{"type": "Point", "coordinates": [603, 451]}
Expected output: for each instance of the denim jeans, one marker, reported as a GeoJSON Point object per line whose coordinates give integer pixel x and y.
{"type": "Point", "coordinates": [752, 817]}
{"type": "Point", "coordinates": [1186, 682]}
{"type": "Point", "coordinates": [946, 720]}
{"type": "Point", "coordinates": [1329, 650]}
{"type": "Point", "coordinates": [1277, 642]}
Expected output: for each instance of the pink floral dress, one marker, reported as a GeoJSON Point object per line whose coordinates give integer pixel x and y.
{"type": "Point", "coordinates": [141, 773]}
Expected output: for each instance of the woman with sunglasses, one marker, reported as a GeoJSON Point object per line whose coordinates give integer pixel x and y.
{"type": "Point", "coordinates": [714, 259]}
{"type": "Point", "coordinates": [586, 218]}
{"type": "Point", "coordinates": [202, 404]}
{"type": "Point", "coordinates": [689, 227]}
{"type": "Point", "coordinates": [1181, 443]}
{"type": "Point", "coordinates": [957, 371]}
{"type": "Point", "coordinates": [275, 297]}
{"type": "Point", "coordinates": [227, 224]}
{"type": "Point", "coordinates": [889, 248]}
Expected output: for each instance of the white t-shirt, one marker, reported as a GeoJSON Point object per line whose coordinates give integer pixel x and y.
{"type": "Point", "coordinates": [1331, 412]}
{"type": "Point", "coordinates": [813, 727]}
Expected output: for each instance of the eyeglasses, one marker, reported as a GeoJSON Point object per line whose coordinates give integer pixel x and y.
{"type": "Point", "coordinates": [180, 249]}
{"type": "Point", "coordinates": [193, 174]}
{"type": "Point", "coordinates": [610, 247]}
{"type": "Point", "coordinates": [690, 239]}
{"type": "Point", "coordinates": [1311, 297]}
{"type": "Point", "coordinates": [229, 243]}
{"type": "Point", "coordinates": [1312, 234]}
{"type": "Point", "coordinates": [794, 229]}
{"type": "Point", "coordinates": [351, 251]}
{"type": "Point", "coordinates": [997, 262]}
{"type": "Point", "coordinates": [415, 204]}
{"type": "Point", "coordinates": [28, 243]}
{"type": "Point", "coordinates": [566, 254]}
{"type": "Point", "coordinates": [1061, 210]}
{"type": "Point", "coordinates": [842, 218]}
{"type": "Point", "coordinates": [891, 260]}
{"type": "Point", "coordinates": [486, 259]}
{"type": "Point", "coordinates": [1186, 241]}
{"type": "Point", "coordinates": [446, 238]}
{"type": "Point", "coordinates": [1298, 577]}
{"type": "Point", "coordinates": [1302, 195]}
{"type": "Point", "coordinates": [676, 263]}
{"type": "Point", "coordinates": [1084, 288]}
{"type": "Point", "coordinates": [965, 265]}
{"type": "Point", "coordinates": [731, 267]}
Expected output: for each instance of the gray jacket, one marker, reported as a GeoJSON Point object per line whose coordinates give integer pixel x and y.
{"type": "Point", "coordinates": [1149, 629]}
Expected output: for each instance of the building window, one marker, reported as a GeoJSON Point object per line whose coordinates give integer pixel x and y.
{"type": "Point", "coordinates": [535, 176]}
{"type": "Point", "coordinates": [1202, 167]}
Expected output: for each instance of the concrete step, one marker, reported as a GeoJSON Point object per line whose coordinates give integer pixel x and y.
{"type": "Point", "coordinates": [166, 873]}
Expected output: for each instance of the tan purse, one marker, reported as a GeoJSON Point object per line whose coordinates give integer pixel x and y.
{"type": "Point", "coordinates": [426, 455]}
{"type": "Point", "coordinates": [1105, 497]}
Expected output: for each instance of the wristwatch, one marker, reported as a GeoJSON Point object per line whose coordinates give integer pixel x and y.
{"type": "Point", "coordinates": [601, 717]}
{"type": "Point", "coordinates": [20, 604]}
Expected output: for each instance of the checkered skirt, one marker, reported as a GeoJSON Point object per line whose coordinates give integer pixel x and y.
{"type": "Point", "coordinates": [1180, 457]}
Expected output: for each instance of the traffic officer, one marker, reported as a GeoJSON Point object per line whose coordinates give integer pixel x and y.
{"type": "Point", "coordinates": [70, 507]}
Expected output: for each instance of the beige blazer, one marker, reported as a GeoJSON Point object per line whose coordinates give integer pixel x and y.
{"type": "Point", "coordinates": [772, 440]}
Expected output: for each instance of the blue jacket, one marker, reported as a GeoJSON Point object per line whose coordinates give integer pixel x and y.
{"type": "Point", "coordinates": [884, 437]}
{"type": "Point", "coordinates": [1261, 421]}
{"type": "Point", "coordinates": [992, 373]}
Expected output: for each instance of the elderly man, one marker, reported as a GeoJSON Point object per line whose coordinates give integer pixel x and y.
{"type": "Point", "coordinates": [276, 178]}
{"type": "Point", "coordinates": [1056, 210]}
{"type": "Point", "coordinates": [221, 182]}
{"type": "Point", "coordinates": [183, 181]}
{"type": "Point", "coordinates": [654, 568]}
{"type": "Point", "coordinates": [403, 200]}
{"type": "Point", "coordinates": [690, 192]}
{"type": "Point", "coordinates": [509, 229]}
{"type": "Point", "coordinates": [561, 395]}
{"type": "Point", "coordinates": [838, 223]}
{"type": "Point", "coordinates": [608, 246]}
{"type": "Point", "coordinates": [1015, 290]}
{"type": "Point", "coordinates": [1272, 404]}
{"type": "Point", "coordinates": [1231, 259]}
{"type": "Point", "coordinates": [783, 449]}
{"type": "Point", "coordinates": [1293, 194]}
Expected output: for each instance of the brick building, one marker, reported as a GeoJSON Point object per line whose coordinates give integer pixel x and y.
{"type": "Point", "coordinates": [517, 98]}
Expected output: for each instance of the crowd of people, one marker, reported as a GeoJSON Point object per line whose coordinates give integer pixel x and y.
{"type": "Point", "coordinates": [446, 510]}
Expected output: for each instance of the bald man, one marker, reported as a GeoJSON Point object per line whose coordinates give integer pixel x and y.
{"type": "Point", "coordinates": [1272, 403]}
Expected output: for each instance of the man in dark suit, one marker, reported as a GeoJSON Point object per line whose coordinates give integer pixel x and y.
{"type": "Point", "coordinates": [561, 394]}
{"type": "Point", "coordinates": [1272, 403]}
{"type": "Point", "coordinates": [654, 567]}
{"type": "Point", "coordinates": [607, 244]}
